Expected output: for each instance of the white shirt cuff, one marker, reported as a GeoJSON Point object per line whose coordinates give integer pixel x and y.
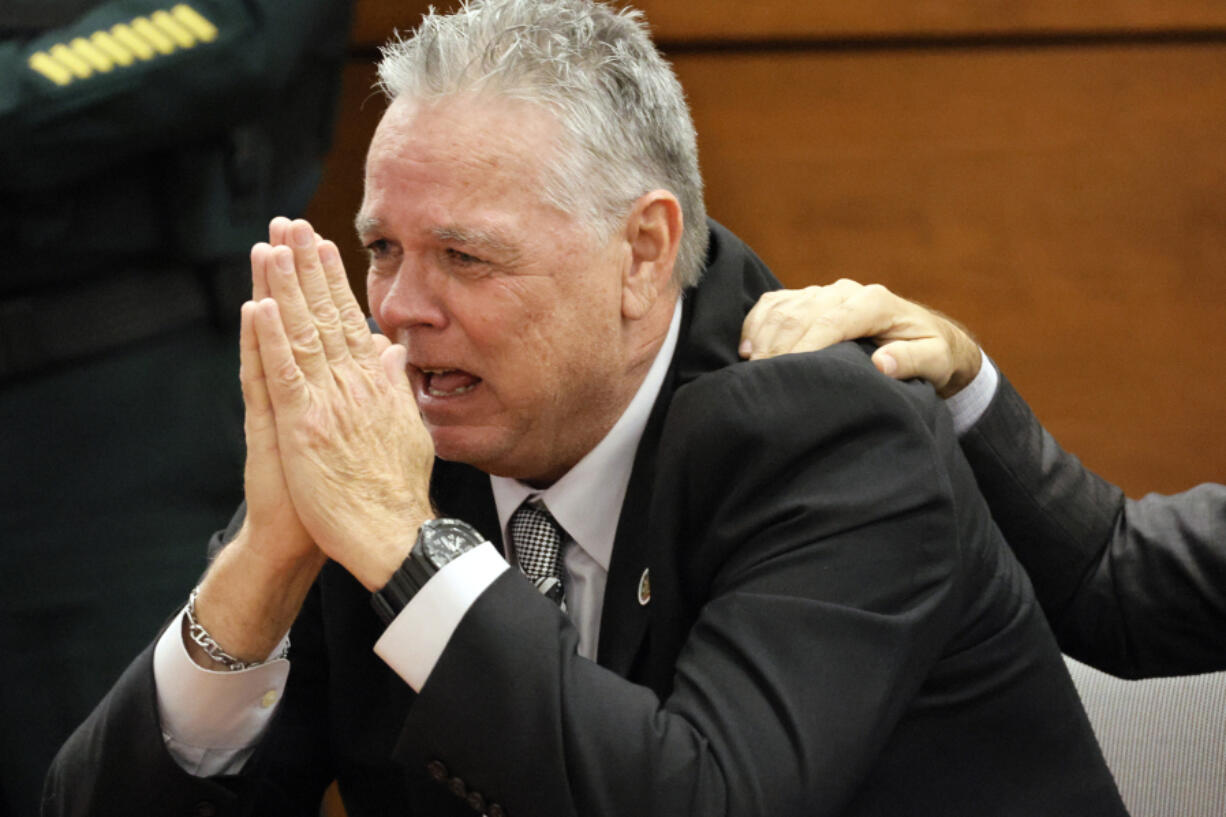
{"type": "Point", "coordinates": [416, 638]}
{"type": "Point", "coordinates": [968, 405]}
{"type": "Point", "coordinates": [211, 720]}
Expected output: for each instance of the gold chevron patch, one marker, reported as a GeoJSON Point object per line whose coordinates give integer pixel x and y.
{"type": "Point", "coordinates": [138, 40]}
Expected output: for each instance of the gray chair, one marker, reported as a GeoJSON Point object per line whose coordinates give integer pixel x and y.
{"type": "Point", "coordinates": [1164, 739]}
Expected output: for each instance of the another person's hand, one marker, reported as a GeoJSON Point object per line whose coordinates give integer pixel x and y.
{"type": "Point", "coordinates": [355, 454]}
{"type": "Point", "coordinates": [914, 341]}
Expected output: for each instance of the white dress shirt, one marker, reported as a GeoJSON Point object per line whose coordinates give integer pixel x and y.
{"type": "Point", "coordinates": [211, 721]}
{"type": "Point", "coordinates": [968, 405]}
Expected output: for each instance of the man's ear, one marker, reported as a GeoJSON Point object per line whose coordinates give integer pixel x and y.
{"type": "Point", "coordinates": [653, 233]}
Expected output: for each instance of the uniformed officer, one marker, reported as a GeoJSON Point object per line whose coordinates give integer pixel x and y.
{"type": "Point", "coordinates": [143, 147]}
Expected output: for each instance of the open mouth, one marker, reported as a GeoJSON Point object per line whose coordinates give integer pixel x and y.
{"type": "Point", "coordinates": [448, 382]}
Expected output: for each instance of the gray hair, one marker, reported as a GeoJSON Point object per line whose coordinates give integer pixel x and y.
{"type": "Point", "coordinates": [617, 100]}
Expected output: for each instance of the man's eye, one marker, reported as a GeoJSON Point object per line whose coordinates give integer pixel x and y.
{"type": "Point", "coordinates": [462, 258]}
{"type": "Point", "coordinates": [377, 248]}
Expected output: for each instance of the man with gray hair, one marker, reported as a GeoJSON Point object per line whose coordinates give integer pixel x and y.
{"type": "Point", "coordinates": [725, 602]}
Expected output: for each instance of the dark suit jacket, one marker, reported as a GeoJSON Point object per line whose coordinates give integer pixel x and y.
{"type": "Point", "coordinates": [835, 627]}
{"type": "Point", "coordinates": [1134, 587]}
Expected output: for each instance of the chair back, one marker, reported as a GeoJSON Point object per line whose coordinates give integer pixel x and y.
{"type": "Point", "coordinates": [1164, 739]}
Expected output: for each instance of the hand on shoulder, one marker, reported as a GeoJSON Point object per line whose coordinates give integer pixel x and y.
{"type": "Point", "coordinates": [913, 340]}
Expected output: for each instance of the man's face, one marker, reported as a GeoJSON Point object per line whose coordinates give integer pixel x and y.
{"type": "Point", "coordinates": [510, 311]}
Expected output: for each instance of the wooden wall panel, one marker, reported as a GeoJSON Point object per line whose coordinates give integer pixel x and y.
{"type": "Point", "coordinates": [375, 20]}
{"type": "Point", "coordinates": [339, 195]}
{"type": "Point", "coordinates": [782, 20]}
{"type": "Point", "coordinates": [1067, 204]}
{"type": "Point", "coordinates": [741, 20]}
{"type": "Point", "coordinates": [1064, 198]}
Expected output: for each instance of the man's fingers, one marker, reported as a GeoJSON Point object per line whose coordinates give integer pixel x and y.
{"type": "Point", "coordinates": [781, 330]}
{"type": "Point", "coordinates": [913, 340]}
{"type": "Point", "coordinates": [261, 257]}
{"type": "Point", "coordinates": [251, 371]}
{"type": "Point", "coordinates": [772, 327]}
{"type": "Point", "coordinates": [352, 318]}
{"type": "Point", "coordinates": [278, 231]}
{"type": "Point", "coordinates": [926, 358]}
{"type": "Point", "coordinates": [799, 320]}
{"type": "Point", "coordinates": [393, 358]}
{"type": "Point", "coordinates": [822, 332]}
{"type": "Point", "coordinates": [339, 318]}
{"type": "Point", "coordinates": [283, 377]}
{"type": "Point", "coordinates": [259, 421]}
{"type": "Point", "coordinates": [751, 327]}
{"type": "Point", "coordinates": [885, 361]}
{"type": "Point", "coordinates": [298, 323]}
{"type": "Point", "coordinates": [758, 328]}
{"type": "Point", "coordinates": [316, 291]}
{"type": "Point", "coordinates": [866, 312]}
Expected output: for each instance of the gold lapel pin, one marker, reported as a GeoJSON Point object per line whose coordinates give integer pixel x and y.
{"type": "Point", "coordinates": [645, 586]}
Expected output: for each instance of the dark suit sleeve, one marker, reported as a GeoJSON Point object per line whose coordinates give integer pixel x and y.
{"type": "Point", "coordinates": [57, 125]}
{"type": "Point", "coordinates": [818, 549]}
{"type": "Point", "coordinates": [1134, 587]}
{"type": "Point", "coordinates": [116, 762]}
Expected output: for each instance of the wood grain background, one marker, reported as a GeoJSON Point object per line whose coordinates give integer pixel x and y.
{"type": "Point", "coordinates": [1053, 174]}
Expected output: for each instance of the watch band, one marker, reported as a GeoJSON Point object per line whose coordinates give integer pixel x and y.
{"type": "Point", "coordinates": [439, 541]}
{"type": "Point", "coordinates": [410, 577]}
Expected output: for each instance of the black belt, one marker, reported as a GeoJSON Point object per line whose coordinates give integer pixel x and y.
{"type": "Point", "coordinates": [43, 330]}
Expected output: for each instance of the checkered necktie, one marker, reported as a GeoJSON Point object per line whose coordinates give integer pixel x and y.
{"type": "Point", "coordinates": [537, 540]}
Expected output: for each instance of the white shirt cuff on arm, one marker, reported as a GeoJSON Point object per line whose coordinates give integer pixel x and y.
{"type": "Point", "coordinates": [416, 638]}
{"type": "Point", "coordinates": [968, 405]}
{"type": "Point", "coordinates": [211, 721]}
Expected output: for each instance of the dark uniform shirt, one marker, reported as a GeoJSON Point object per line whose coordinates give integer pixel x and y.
{"type": "Point", "coordinates": [144, 146]}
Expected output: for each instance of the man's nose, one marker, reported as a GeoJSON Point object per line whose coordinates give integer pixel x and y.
{"type": "Point", "coordinates": [412, 300]}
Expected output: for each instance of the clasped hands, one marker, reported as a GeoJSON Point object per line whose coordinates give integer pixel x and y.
{"type": "Point", "coordinates": [337, 456]}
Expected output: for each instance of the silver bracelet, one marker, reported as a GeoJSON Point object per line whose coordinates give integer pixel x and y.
{"type": "Point", "coordinates": [197, 633]}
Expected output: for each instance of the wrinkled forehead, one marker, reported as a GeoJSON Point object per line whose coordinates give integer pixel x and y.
{"type": "Point", "coordinates": [473, 161]}
{"type": "Point", "coordinates": [477, 132]}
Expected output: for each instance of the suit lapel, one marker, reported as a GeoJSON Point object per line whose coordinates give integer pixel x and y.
{"type": "Point", "coordinates": [710, 331]}
{"type": "Point", "coordinates": [624, 616]}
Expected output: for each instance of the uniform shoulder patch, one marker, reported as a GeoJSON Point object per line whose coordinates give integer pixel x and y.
{"type": "Point", "coordinates": [125, 44]}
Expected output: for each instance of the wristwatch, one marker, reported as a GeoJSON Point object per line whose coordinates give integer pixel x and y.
{"type": "Point", "coordinates": [439, 541]}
